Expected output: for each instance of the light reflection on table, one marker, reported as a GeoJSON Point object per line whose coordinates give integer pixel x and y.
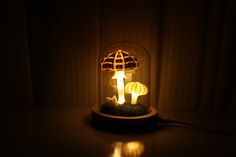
{"type": "Point", "coordinates": [127, 149]}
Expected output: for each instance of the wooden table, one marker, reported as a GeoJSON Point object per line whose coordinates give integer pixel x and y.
{"type": "Point", "coordinates": [66, 131]}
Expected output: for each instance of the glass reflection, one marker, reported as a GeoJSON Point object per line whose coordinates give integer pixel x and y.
{"type": "Point", "coordinates": [127, 149]}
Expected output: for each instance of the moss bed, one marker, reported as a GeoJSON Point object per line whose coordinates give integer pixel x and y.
{"type": "Point", "coordinates": [126, 109]}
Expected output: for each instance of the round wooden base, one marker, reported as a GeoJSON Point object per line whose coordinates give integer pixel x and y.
{"type": "Point", "coordinates": [112, 122]}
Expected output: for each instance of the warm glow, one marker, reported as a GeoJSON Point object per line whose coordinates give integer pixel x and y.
{"type": "Point", "coordinates": [119, 61]}
{"type": "Point", "coordinates": [117, 150]}
{"type": "Point", "coordinates": [127, 149]}
{"type": "Point", "coordinates": [119, 76]}
{"type": "Point", "coordinates": [136, 89]}
{"type": "Point", "coordinates": [133, 149]}
{"type": "Point", "coordinates": [134, 98]}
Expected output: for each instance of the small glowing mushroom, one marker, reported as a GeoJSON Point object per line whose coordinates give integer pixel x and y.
{"type": "Point", "coordinates": [119, 61]}
{"type": "Point", "coordinates": [136, 89]}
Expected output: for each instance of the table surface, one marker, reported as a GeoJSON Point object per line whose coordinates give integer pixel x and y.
{"type": "Point", "coordinates": [66, 131]}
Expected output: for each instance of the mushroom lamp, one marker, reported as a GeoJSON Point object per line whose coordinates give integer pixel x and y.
{"type": "Point", "coordinates": [123, 76]}
{"type": "Point", "coordinates": [119, 61]}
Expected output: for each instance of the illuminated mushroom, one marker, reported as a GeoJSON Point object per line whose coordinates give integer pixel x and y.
{"type": "Point", "coordinates": [136, 89]}
{"type": "Point", "coordinates": [119, 61]}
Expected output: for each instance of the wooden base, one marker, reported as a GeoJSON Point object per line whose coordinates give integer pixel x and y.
{"type": "Point", "coordinates": [112, 122]}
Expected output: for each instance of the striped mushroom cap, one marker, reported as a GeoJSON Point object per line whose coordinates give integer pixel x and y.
{"type": "Point", "coordinates": [136, 87]}
{"type": "Point", "coordinates": [119, 60]}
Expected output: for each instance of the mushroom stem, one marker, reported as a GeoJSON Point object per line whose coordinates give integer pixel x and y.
{"type": "Point", "coordinates": [119, 76]}
{"type": "Point", "coordinates": [134, 98]}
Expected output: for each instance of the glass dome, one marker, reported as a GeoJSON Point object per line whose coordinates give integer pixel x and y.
{"type": "Point", "coordinates": [124, 80]}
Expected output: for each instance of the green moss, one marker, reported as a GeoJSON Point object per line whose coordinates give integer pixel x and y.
{"type": "Point", "coordinates": [126, 109]}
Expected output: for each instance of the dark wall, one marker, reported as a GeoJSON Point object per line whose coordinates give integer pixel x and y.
{"type": "Point", "coordinates": [63, 51]}
{"type": "Point", "coordinates": [197, 56]}
{"type": "Point", "coordinates": [14, 59]}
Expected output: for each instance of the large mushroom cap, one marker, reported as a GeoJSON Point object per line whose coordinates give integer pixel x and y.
{"type": "Point", "coordinates": [119, 60]}
{"type": "Point", "coordinates": [136, 87]}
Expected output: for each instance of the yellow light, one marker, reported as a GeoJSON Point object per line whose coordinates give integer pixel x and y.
{"type": "Point", "coordinates": [134, 98]}
{"type": "Point", "coordinates": [136, 89]}
{"type": "Point", "coordinates": [127, 149]}
{"type": "Point", "coordinates": [133, 149]}
{"type": "Point", "coordinates": [119, 61]}
{"type": "Point", "coordinates": [117, 150]}
{"type": "Point", "coordinates": [119, 76]}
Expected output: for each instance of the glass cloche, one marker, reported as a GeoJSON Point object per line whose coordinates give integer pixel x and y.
{"type": "Point", "coordinates": [124, 81]}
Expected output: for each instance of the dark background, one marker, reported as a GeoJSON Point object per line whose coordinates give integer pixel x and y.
{"type": "Point", "coordinates": [50, 48]}
{"type": "Point", "coordinates": [49, 57]}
